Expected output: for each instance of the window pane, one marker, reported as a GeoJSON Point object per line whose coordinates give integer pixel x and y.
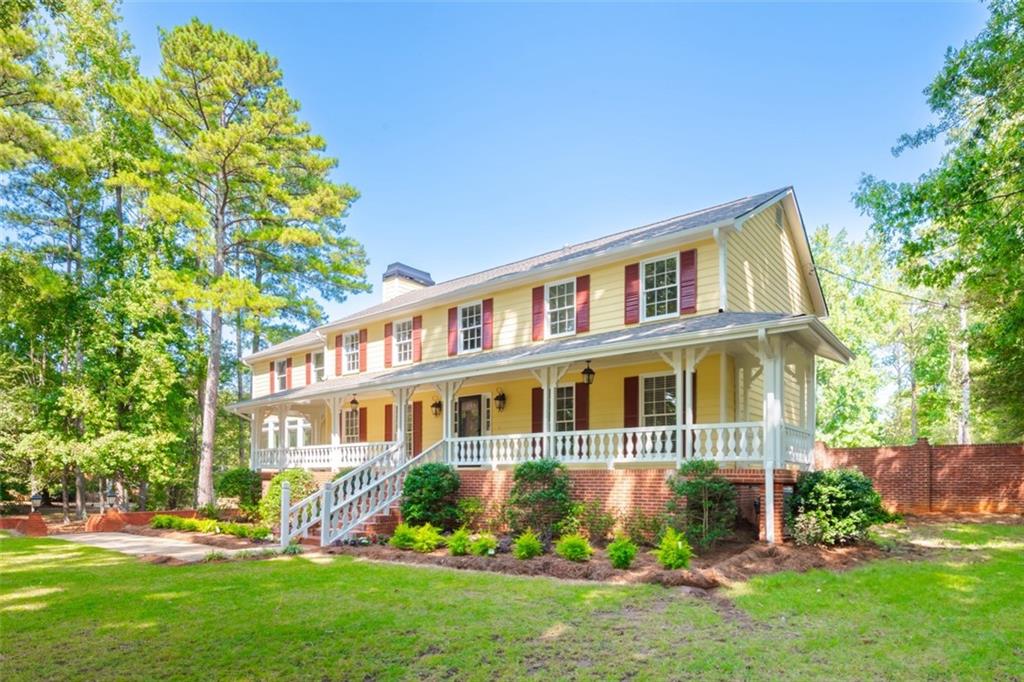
{"type": "Point", "coordinates": [351, 426]}
{"type": "Point", "coordinates": [565, 408]}
{"type": "Point", "coordinates": [659, 403]}
{"type": "Point", "coordinates": [471, 331]}
{"type": "Point", "coordinates": [562, 308]}
{"type": "Point", "coordinates": [352, 352]}
{"type": "Point", "coordinates": [402, 335]}
{"type": "Point", "coordinates": [661, 291]}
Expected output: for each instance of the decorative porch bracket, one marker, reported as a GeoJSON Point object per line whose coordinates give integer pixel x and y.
{"type": "Point", "coordinates": [401, 398]}
{"type": "Point", "coordinates": [448, 390]}
{"type": "Point", "coordinates": [683, 361]}
{"type": "Point", "coordinates": [548, 377]}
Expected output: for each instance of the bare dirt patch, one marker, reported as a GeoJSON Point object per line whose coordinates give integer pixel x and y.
{"type": "Point", "coordinates": [222, 541]}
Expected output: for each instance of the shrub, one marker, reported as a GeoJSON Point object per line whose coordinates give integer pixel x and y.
{"type": "Point", "coordinates": [161, 521]}
{"type": "Point", "coordinates": [527, 546]}
{"type": "Point", "coordinates": [470, 511]}
{"type": "Point", "coordinates": [292, 549]}
{"type": "Point", "coordinates": [573, 547]}
{"type": "Point", "coordinates": [427, 539]}
{"type": "Point", "coordinates": [484, 545]}
{"type": "Point", "coordinates": [209, 511]}
{"type": "Point", "coordinates": [644, 530]}
{"type": "Point", "coordinates": [241, 530]}
{"type": "Point", "coordinates": [539, 498]}
{"type": "Point", "coordinates": [621, 552]}
{"type": "Point", "coordinates": [404, 536]}
{"type": "Point", "coordinates": [703, 503]}
{"type": "Point", "coordinates": [302, 485]}
{"type": "Point", "coordinates": [243, 484]}
{"type": "Point", "coordinates": [673, 550]}
{"type": "Point", "coordinates": [843, 503]}
{"type": "Point", "coordinates": [430, 495]}
{"type": "Point", "coordinates": [458, 542]}
{"type": "Point", "coordinates": [806, 530]}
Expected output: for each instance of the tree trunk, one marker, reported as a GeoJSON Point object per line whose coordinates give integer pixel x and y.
{"type": "Point", "coordinates": [204, 489]}
{"type": "Point", "coordinates": [239, 385]}
{"type": "Point", "coordinates": [913, 405]}
{"type": "Point", "coordinates": [79, 493]}
{"type": "Point", "coordinates": [64, 494]}
{"type": "Point", "coordinates": [143, 495]}
{"type": "Point", "coordinates": [963, 433]}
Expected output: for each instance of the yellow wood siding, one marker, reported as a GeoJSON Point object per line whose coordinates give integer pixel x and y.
{"type": "Point", "coordinates": [763, 269]}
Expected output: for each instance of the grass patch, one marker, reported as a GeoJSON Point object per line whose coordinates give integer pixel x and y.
{"type": "Point", "coordinates": [67, 611]}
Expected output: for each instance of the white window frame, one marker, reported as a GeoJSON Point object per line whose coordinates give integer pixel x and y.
{"type": "Point", "coordinates": [485, 418]}
{"type": "Point", "coordinates": [319, 373]}
{"type": "Point", "coordinates": [350, 431]}
{"type": "Point", "coordinates": [569, 390]}
{"type": "Point", "coordinates": [408, 429]}
{"type": "Point", "coordinates": [347, 354]}
{"type": "Point", "coordinates": [396, 355]}
{"type": "Point", "coordinates": [269, 430]}
{"type": "Point", "coordinates": [644, 317]}
{"type": "Point", "coordinates": [547, 308]}
{"type": "Point", "coordinates": [462, 348]}
{"type": "Point", "coordinates": [281, 375]}
{"type": "Point", "coordinates": [643, 404]}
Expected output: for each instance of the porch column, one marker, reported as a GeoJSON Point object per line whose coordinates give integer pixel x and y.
{"type": "Point", "coordinates": [448, 390]}
{"type": "Point", "coordinates": [401, 400]}
{"type": "Point", "coordinates": [548, 377]}
{"type": "Point", "coordinates": [334, 423]}
{"type": "Point", "coordinates": [282, 434]}
{"type": "Point", "coordinates": [255, 428]}
{"type": "Point", "coordinates": [691, 363]}
{"type": "Point", "coordinates": [772, 362]}
{"type": "Point", "coordinates": [812, 408]}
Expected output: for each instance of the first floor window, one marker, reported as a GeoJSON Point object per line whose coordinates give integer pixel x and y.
{"type": "Point", "coordinates": [297, 432]}
{"type": "Point", "coordinates": [659, 400]}
{"type": "Point", "coordinates": [318, 367]}
{"type": "Point", "coordinates": [351, 352]}
{"type": "Point", "coordinates": [408, 429]}
{"type": "Point", "coordinates": [351, 426]}
{"type": "Point", "coordinates": [270, 432]}
{"type": "Point", "coordinates": [402, 335]}
{"type": "Point", "coordinates": [660, 288]}
{"type": "Point", "coordinates": [565, 408]}
{"type": "Point", "coordinates": [561, 302]}
{"type": "Point", "coordinates": [281, 374]}
{"type": "Point", "coordinates": [471, 327]}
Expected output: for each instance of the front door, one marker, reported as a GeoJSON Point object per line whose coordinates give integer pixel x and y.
{"type": "Point", "coordinates": [470, 413]}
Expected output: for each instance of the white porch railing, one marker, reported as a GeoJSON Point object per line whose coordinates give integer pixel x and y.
{"type": "Point", "coordinates": [319, 456]}
{"type": "Point", "coordinates": [297, 519]}
{"type": "Point", "coordinates": [797, 446]}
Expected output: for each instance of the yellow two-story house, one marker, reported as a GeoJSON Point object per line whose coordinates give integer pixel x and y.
{"type": "Point", "coordinates": [693, 337]}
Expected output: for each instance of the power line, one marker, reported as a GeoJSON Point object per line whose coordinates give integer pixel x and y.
{"type": "Point", "coordinates": [875, 286]}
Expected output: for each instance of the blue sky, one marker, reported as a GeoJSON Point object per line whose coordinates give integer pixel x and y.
{"type": "Point", "coordinates": [482, 133]}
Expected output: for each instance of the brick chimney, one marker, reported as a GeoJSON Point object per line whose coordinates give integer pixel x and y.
{"type": "Point", "coordinates": [400, 278]}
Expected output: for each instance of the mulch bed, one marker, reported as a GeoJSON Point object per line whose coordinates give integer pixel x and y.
{"type": "Point", "coordinates": [222, 541]}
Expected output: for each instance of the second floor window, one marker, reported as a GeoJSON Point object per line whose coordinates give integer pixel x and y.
{"type": "Point", "coordinates": [471, 327]}
{"type": "Point", "coordinates": [660, 282]}
{"type": "Point", "coordinates": [561, 307]}
{"type": "Point", "coordinates": [351, 349]}
{"type": "Point", "coordinates": [403, 342]}
{"type": "Point", "coordinates": [351, 426]}
{"type": "Point", "coordinates": [318, 367]}
{"type": "Point", "coordinates": [281, 375]}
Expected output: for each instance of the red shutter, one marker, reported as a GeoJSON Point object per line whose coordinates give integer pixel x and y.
{"type": "Point", "coordinates": [688, 281]}
{"type": "Point", "coordinates": [417, 427]}
{"type": "Point", "coordinates": [417, 338]}
{"type": "Point", "coordinates": [387, 344]}
{"type": "Point", "coordinates": [362, 350]}
{"type": "Point", "coordinates": [337, 354]}
{"type": "Point", "coordinates": [272, 378]}
{"type": "Point", "coordinates": [538, 313]}
{"type": "Point", "coordinates": [582, 407]}
{"type": "Point", "coordinates": [632, 307]}
{"type": "Point", "coordinates": [488, 318]}
{"type": "Point", "coordinates": [583, 303]}
{"type": "Point", "coordinates": [630, 402]}
{"type": "Point", "coordinates": [389, 422]}
{"type": "Point", "coordinates": [362, 425]}
{"type": "Point", "coordinates": [309, 368]}
{"type": "Point", "coordinates": [288, 375]}
{"type": "Point", "coordinates": [537, 410]}
{"type": "Point", "coordinates": [453, 331]}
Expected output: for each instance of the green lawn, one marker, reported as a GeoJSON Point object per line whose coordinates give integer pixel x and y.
{"type": "Point", "coordinates": [72, 612]}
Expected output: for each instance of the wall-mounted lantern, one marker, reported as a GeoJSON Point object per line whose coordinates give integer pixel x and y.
{"type": "Point", "coordinates": [588, 374]}
{"type": "Point", "coordinates": [436, 407]}
{"type": "Point", "coordinates": [111, 497]}
{"type": "Point", "coordinates": [500, 400]}
{"type": "Point", "coordinates": [36, 500]}
{"type": "Point", "coordinates": [354, 404]}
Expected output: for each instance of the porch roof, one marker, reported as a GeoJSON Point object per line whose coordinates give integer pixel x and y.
{"type": "Point", "coordinates": [691, 331]}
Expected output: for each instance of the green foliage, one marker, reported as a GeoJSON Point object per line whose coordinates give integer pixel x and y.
{"type": "Point", "coordinates": [241, 530]}
{"type": "Point", "coordinates": [590, 519]}
{"type": "Point", "coordinates": [644, 529]}
{"type": "Point", "coordinates": [242, 483]}
{"type": "Point", "coordinates": [673, 550]}
{"type": "Point", "coordinates": [301, 485]}
{"type": "Point", "coordinates": [459, 542]}
{"type": "Point", "coordinates": [703, 503]}
{"type": "Point", "coordinates": [621, 552]}
{"type": "Point", "coordinates": [527, 545]}
{"type": "Point", "coordinates": [539, 499]}
{"type": "Point", "coordinates": [426, 539]}
{"type": "Point", "coordinates": [470, 512]}
{"type": "Point", "coordinates": [573, 547]}
{"type": "Point", "coordinates": [209, 511]}
{"type": "Point", "coordinates": [404, 536]}
{"type": "Point", "coordinates": [292, 550]}
{"type": "Point", "coordinates": [484, 544]}
{"type": "Point", "coordinates": [430, 495]}
{"type": "Point", "coordinates": [843, 503]}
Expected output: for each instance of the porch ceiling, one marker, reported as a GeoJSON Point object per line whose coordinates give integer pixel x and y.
{"type": "Point", "coordinates": [715, 328]}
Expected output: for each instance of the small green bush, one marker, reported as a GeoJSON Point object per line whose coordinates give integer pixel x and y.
{"type": "Point", "coordinates": [644, 529]}
{"type": "Point", "coordinates": [430, 495]}
{"type": "Point", "coordinates": [621, 552]}
{"type": "Point", "coordinates": [427, 539]}
{"type": "Point", "coordinates": [539, 498]}
{"type": "Point", "coordinates": [673, 551]}
{"type": "Point", "coordinates": [703, 503]}
{"type": "Point", "coordinates": [292, 549]}
{"type": "Point", "coordinates": [245, 485]}
{"type": "Point", "coordinates": [527, 545]}
{"type": "Point", "coordinates": [302, 486]}
{"type": "Point", "coordinates": [404, 536]}
{"type": "Point", "coordinates": [573, 547]}
{"type": "Point", "coordinates": [240, 530]}
{"type": "Point", "coordinates": [162, 521]}
{"type": "Point", "coordinates": [484, 545]}
{"type": "Point", "coordinates": [209, 511]}
{"type": "Point", "coordinates": [470, 512]}
{"type": "Point", "coordinates": [459, 542]}
{"type": "Point", "coordinates": [842, 502]}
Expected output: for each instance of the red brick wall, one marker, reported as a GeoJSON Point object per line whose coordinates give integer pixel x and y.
{"type": "Point", "coordinates": [923, 478]}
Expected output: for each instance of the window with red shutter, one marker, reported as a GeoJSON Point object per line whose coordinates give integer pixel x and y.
{"type": "Point", "coordinates": [582, 303]}
{"type": "Point", "coordinates": [271, 377]}
{"type": "Point", "coordinates": [630, 402]}
{"type": "Point", "coordinates": [389, 422]}
{"type": "Point", "coordinates": [288, 375]}
{"type": "Point", "coordinates": [538, 313]}
{"type": "Point", "coordinates": [688, 281]}
{"type": "Point", "coordinates": [309, 368]}
{"type": "Point", "coordinates": [417, 338]}
{"type": "Point", "coordinates": [362, 350]}
{"type": "Point", "coordinates": [537, 409]}
{"type": "Point", "coordinates": [417, 427]}
{"type": "Point", "coordinates": [363, 425]}
{"type": "Point", "coordinates": [453, 331]}
{"type": "Point", "coordinates": [387, 344]}
{"type": "Point", "coordinates": [337, 355]}
{"type": "Point", "coordinates": [582, 407]}
{"type": "Point", "coordinates": [488, 323]}
{"type": "Point", "coordinates": [632, 288]}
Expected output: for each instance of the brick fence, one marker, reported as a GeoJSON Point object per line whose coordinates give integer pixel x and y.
{"type": "Point", "coordinates": [923, 478]}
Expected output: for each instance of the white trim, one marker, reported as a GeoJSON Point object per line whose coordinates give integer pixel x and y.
{"type": "Point", "coordinates": [643, 288]}
{"type": "Point", "coordinates": [547, 309]}
{"type": "Point", "coordinates": [458, 327]}
{"type": "Point", "coordinates": [395, 362]}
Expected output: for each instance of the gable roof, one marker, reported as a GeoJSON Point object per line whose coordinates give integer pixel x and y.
{"type": "Point", "coordinates": [720, 215]}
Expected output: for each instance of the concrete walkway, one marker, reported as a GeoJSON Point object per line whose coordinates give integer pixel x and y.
{"type": "Point", "coordinates": [138, 545]}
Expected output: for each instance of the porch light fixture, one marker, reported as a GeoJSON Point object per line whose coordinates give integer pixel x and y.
{"type": "Point", "coordinates": [36, 500]}
{"type": "Point", "coordinates": [354, 404]}
{"type": "Point", "coordinates": [436, 407]}
{"type": "Point", "coordinates": [111, 497]}
{"type": "Point", "coordinates": [588, 374]}
{"type": "Point", "coordinates": [499, 400]}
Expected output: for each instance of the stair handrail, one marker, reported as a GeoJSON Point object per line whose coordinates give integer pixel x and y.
{"type": "Point", "coordinates": [298, 518]}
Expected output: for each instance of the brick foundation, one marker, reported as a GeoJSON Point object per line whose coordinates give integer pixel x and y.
{"type": "Point", "coordinates": [924, 478]}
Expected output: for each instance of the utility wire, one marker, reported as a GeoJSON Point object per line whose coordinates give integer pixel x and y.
{"type": "Point", "coordinates": [875, 286]}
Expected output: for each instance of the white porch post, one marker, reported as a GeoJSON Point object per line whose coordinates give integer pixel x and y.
{"type": "Point", "coordinates": [282, 435]}
{"type": "Point", "coordinates": [334, 421]}
{"type": "Point", "coordinates": [773, 379]}
{"type": "Point", "coordinates": [401, 401]}
{"type": "Point", "coordinates": [690, 407]}
{"type": "Point", "coordinates": [548, 377]}
{"type": "Point", "coordinates": [255, 428]}
{"type": "Point", "coordinates": [448, 390]}
{"type": "Point", "coordinates": [812, 408]}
